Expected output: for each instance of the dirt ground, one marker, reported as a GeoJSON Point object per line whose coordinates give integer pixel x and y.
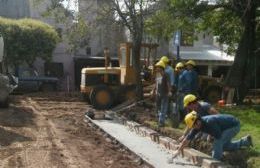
{"type": "Point", "coordinates": [47, 130]}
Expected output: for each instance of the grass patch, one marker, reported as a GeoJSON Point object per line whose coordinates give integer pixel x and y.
{"type": "Point", "coordinates": [249, 117]}
{"type": "Point", "coordinates": [250, 124]}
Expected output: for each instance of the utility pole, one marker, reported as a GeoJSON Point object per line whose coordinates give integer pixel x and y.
{"type": "Point", "coordinates": [1, 53]}
{"type": "Point", "coordinates": [177, 41]}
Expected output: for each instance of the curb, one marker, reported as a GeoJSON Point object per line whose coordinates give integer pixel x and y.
{"type": "Point", "coordinates": [140, 160]}
{"type": "Point", "coordinates": [196, 157]}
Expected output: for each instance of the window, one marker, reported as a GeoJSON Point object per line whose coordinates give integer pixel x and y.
{"type": "Point", "coordinates": [92, 79]}
{"type": "Point", "coordinates": [187, 38]}
{"type": "Point", "coordinates": [123, 57]}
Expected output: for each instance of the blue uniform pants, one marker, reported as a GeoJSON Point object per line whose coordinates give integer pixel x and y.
{"type": "Point", "coordinates": [225, 144]}
{"type": "Point", "coordinates": [162, 106]}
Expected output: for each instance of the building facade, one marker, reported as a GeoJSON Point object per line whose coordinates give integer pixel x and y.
{"type": "Point", "coordinates": [104, 32]}
{"type": "Point", "coordinates": [203, 49]}
{"type": "Point", "coordinates": [102, 35]}
{"type": "Point", "coordinates": [14, 9]}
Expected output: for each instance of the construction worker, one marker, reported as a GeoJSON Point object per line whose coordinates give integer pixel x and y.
{"type": "Point", "coordinates": [183, 88]}
{"type": "Point", "coordinates": [192, 77]}
{"type": "Point", "coordinates": [178, 69]}
{"type": "Point", "coordinates": [221, 127]}
{"type": "Point", "coordinates": [162, 90]}
{"type": "Point", "coordinates": [168, 69]}
{"type": "Point", "coordinates": [170, 72]}
{"type": "Point", "coordinates": [191, 103]}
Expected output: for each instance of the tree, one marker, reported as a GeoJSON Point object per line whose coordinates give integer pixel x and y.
{"type": "Point", "coordinates": [78, 35]}
{"type": "Point", "coordinates": [27, 39]}
{"type": "Point", "coordinates": [234, 22]}
{"type": "Point", "coordinates": [132, 14]}
{"type": "Point", "coordinates": [71, 26]}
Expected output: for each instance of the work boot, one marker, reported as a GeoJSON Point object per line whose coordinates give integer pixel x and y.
{"type": "Point", "coordinates": [247, 141]}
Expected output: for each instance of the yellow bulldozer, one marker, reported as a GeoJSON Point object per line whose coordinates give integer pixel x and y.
{"type": "Point", "coordinates": [104, 86]}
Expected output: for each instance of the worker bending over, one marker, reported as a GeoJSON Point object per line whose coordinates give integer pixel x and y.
{"type": "Point", "coordinates": [221, 127]}
{"type": "Point", "coordinates": [191, 103]}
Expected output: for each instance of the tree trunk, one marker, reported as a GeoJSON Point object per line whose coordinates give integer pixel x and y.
{"type": "Point", "coordinates": [136, 55]}
{"type": "Point", "coordinates": [241, 71]}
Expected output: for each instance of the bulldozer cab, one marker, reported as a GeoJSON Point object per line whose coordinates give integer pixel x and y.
{"type": "Point", "coordinates": [126, 64]}
{"type": "Point", "coordinates": [126, 61]}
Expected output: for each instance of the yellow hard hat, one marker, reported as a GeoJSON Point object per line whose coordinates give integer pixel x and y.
{"type": "Point", "coordinates": [164, 59]}
{"type": "Point", "coordinates": [191, 62]}
{"type": "Point", "coordinates": [190, 119]}
{"type": "Point", "coordinates": [188, 99]}
{"type": "Point", "coordinates": [160, 64]}
{"type": "Point", "coordinates": [179, 65]}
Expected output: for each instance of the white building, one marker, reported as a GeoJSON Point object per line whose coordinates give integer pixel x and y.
{"type": "Point", "coordinates": [211, 60]}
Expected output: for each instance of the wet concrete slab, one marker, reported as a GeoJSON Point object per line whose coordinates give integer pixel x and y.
{"type": "Point", "coordinates": [151, 152]}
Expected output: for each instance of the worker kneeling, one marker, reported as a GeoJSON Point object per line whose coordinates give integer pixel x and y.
{"type": "Point", "coordinates": [221, 127]}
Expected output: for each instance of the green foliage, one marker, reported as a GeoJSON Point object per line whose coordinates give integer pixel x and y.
{"type": "Point", "coordinates": [75, 28]}
{"type": "Point", "coordinates": [56, 11]}
{"type": "Point", "coordinates": [254, 162]}
{"type": "Point", "coordinates": [78, 35]}
{"type": "Point", "coordinates": [249, 118]}
{"type": "Point", "coordinates": [160, 25]}
{"type": "Point", "coordinates": [27, 39]}
{"type": "Point", "coordinates": [221, 19]}
{"type": "Point", "coordinates": [170, 18]}
{"type": "Point", "coordinates": [225, 24]}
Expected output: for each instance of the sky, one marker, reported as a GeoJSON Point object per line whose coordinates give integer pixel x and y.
{"type": "Point", "coordinates": [71, 4]}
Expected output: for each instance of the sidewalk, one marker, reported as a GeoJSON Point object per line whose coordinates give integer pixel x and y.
{"type": "Point", "coordinates": [148, 150]}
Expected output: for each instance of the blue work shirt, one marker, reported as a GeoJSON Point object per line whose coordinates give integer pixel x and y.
{"type": "Point", "coordinates": [204, 108]}
{"type": "Point", "coordinates": [193, 79]}
{"type": "Point", "coordinates": [184, 82]}
{"type": "Point", "coordinates": [176, 79]}
{"type": "Point", "coordinates": [214, 125]}
{"type": "Point", "coordinates": [170, 72]}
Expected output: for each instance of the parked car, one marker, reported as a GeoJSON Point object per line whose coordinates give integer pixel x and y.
{"type": "Point", "coordinates": [30, 81]}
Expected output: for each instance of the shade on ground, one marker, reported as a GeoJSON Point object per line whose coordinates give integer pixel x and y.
{"type": "Point", "coordinates": [153, 153]}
